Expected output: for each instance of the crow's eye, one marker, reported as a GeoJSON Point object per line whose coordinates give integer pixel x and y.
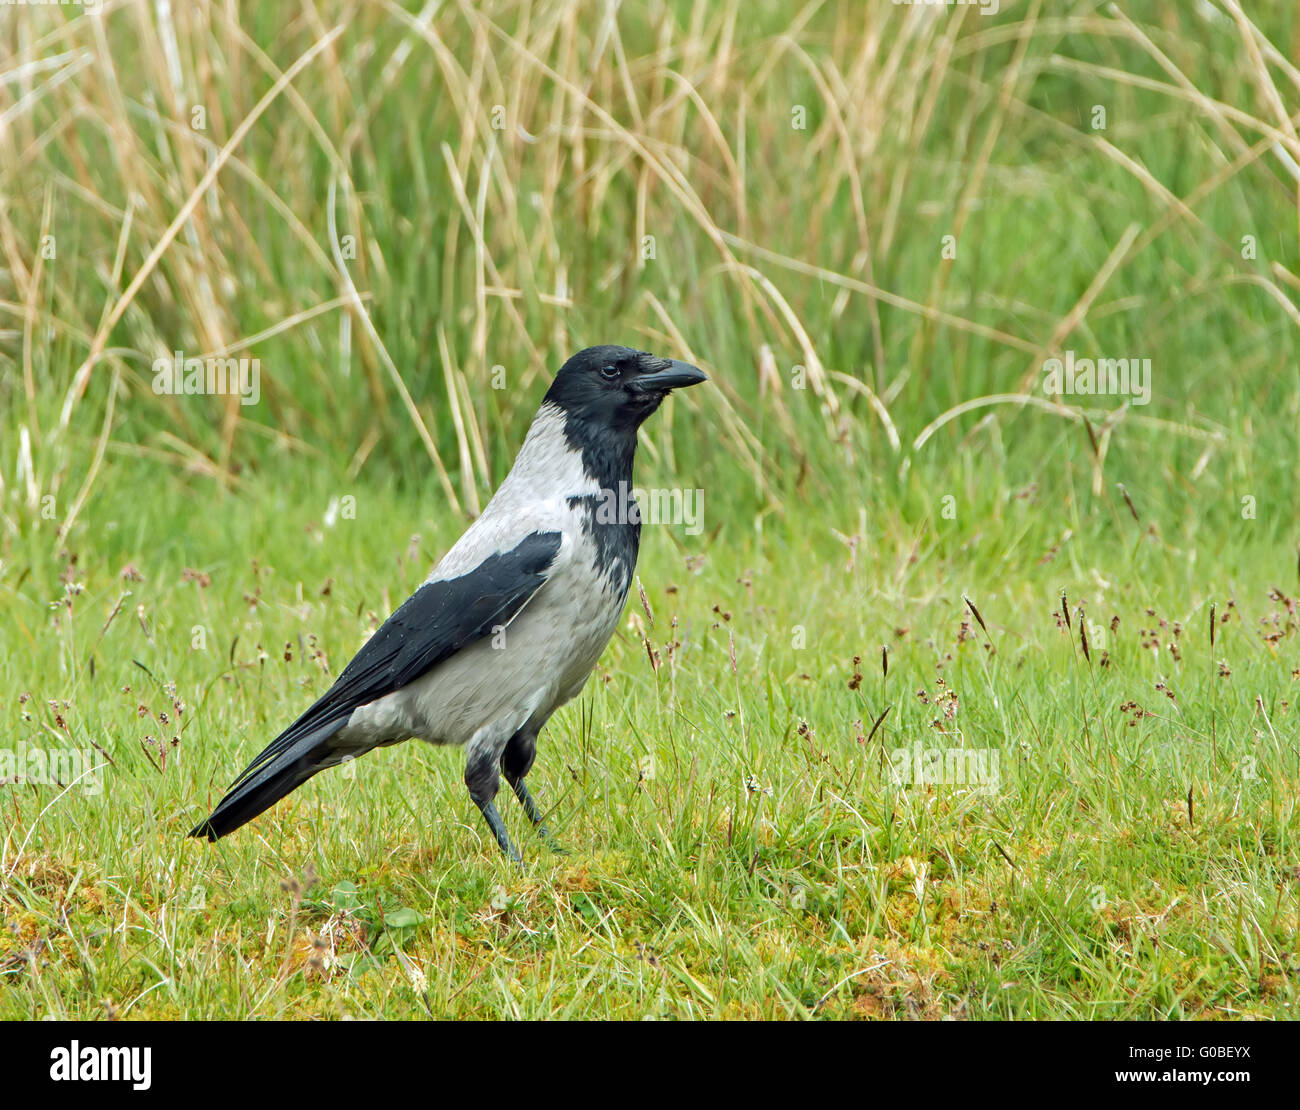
{"type": "Point", "coordinates": [609, 373]}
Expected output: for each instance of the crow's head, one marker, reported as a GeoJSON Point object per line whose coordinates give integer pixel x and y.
{"type": "Point", "coordinates": [616, 388]}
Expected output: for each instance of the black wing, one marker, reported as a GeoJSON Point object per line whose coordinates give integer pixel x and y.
{"type": "Point", "coordinates": [433, 624]}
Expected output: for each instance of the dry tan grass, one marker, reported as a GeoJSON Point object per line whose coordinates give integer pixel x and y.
{"type": "Point", "coordinates": [542, 127]}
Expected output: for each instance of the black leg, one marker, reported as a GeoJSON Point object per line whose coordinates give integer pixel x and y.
{"type": "Point", "coordinates": [483, 780]}
{"type": "Point", "coordinates": [516, 762]}
{"type": "Point", "coordinates": [493, 818]}
{"type": "Point", "coordinates": [530, 806]}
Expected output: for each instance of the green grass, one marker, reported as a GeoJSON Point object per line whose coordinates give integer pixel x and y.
{"type": "Point", "coordinates": [180, 576]}
{"type": "Point", "coordinates": [736, 846]}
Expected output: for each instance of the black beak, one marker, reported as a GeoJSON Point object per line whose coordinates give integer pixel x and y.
{"type": "Point", "coordinates": [676, 375]}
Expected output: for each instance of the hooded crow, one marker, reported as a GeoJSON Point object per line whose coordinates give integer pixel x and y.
{"type": "Point", "coordinates": [509, 625]}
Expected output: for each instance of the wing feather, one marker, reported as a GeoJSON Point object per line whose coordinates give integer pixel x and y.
{"type": "Point", "coordinates": [435, 622]}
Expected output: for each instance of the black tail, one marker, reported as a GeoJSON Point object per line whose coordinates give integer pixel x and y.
{"type": "Point", "coordinates": [266, 781]}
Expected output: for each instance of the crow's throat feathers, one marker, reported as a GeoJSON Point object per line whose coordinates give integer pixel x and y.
{"type": "Point", "coordinates": [565, 456]}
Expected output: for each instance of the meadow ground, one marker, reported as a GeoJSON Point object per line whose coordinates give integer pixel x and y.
{"type": "Point", "coordinates": [873, 225]}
